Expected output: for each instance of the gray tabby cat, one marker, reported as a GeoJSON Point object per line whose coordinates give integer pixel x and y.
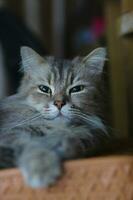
{"type": "Point", "coordinates": [53, 117]}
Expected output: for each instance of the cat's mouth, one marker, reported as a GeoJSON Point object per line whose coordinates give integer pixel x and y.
{"type": "Point", "coordinates": [55, 113]}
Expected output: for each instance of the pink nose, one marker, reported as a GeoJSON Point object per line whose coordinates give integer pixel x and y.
{"type": "Point", "coordinates": [59, 103]}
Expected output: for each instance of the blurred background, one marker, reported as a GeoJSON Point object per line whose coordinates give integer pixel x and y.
{"type": "Point", "coordinates": [66, 28]}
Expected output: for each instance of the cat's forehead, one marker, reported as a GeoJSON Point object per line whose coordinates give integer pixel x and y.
{"type": "Point", "coordinates": [61, 73]}
{"type": "Point", "coordinates": [60, 68]}
{"type": "Point", "coordinates": [59, 63]}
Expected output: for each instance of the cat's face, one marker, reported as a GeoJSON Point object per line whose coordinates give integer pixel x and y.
{"type": "Point", "coordinates": [60, 88]}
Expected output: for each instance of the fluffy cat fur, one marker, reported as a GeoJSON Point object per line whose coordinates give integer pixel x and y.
{"type": "Point", "coordinates": [39, 129]}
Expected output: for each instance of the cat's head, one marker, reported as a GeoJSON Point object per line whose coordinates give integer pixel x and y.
{"type": "Point", "coordinates": [61, 88]}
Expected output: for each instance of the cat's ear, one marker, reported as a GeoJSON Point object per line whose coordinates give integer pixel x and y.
{"type": "Point", "coordinates": [30, 58]}
{"type": "Point", "coordinates": [95, 61]}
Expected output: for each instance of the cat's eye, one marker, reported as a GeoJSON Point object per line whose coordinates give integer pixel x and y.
{"type": "Point", "coordinates": [45, 89]}
{"type": "Point", "coordinates": [77, 88]}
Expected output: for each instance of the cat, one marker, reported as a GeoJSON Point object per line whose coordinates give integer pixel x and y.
{"type": "Point", "coordinates": [53, 117]}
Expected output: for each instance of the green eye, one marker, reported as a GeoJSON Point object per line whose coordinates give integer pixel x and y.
{"type": "Point", "coordinates": [77, 88]}
{"type": "Point", "coordinates": [45, 89]}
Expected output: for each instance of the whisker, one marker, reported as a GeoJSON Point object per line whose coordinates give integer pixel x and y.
{"type": "Point", "coordinates": [109, 128]}
{"type": "Point", "coordinates": [29, 120]}
{"type": "Point", "coordinates": [94, 120]}
{"type": "Point", "coordinates": [17, 124]}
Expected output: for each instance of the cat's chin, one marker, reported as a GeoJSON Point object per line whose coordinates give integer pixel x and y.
{"type": "Point", "coordinates": [61, 118]}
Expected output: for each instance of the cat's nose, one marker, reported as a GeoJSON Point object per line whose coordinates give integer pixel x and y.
{"type": "Point", "coordinates": [59, 103]}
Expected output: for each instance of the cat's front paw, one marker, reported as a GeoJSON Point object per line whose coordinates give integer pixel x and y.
{"type": "Point", "coordinates": [40, 169]}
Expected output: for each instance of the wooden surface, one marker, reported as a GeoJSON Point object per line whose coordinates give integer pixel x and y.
{"type": "Point", "coordinates": [119, 20]}
{"type": "Point", "coordinates": [118, 84]}
{"type": "Point", "coordinates": [105, 178]}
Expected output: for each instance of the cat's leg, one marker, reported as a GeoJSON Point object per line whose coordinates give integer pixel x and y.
{"type": "Point", "coordinates": [41, 159]}
{"type": "Point", "coordinates": [40, 167]}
